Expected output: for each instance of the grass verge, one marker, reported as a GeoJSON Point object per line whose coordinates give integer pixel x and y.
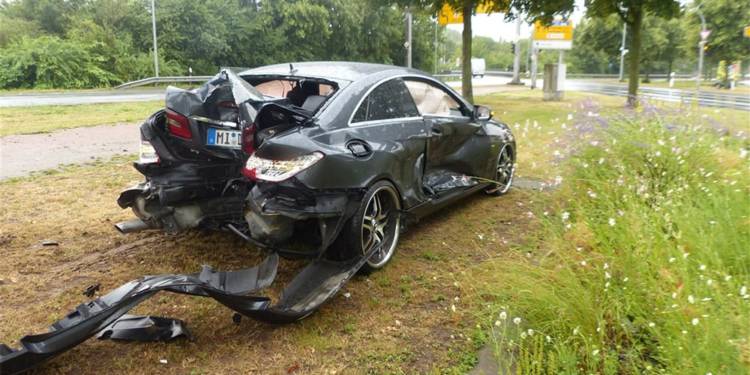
{"type": "Point", "coordinates": [642, 265]}
{"type": "Point", "coordinates": [43, 119]}
{"type": "Point", "coordinates": [427, 312]}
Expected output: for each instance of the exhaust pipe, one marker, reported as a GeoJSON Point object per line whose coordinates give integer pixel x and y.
{"type": "Point", "coordinates": [131, 226]}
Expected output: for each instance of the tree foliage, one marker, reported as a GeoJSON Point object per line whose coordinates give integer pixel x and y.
{"type": "Point", "coordinates": [725, 19]}
{"type": "Point", "coordinates": [114, 36]}
{"type": "Point", "coordinates": [633, 12]}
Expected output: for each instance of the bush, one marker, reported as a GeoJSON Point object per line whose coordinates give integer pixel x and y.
{"type": "Point", "coordinates": [646, 265]}
{"type": "Point", "coordinates": [50, 62]}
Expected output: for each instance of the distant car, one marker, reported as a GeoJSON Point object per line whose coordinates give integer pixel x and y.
{"type": "Point", "coordinates": [478, 67]}
{"type": "Point", "coordinates": [332, 155]}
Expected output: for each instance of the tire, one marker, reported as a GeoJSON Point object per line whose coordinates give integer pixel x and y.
{"type": "Point", "coordinates": [504, 170]}
{"type": "Point", "coordinates": [376, 223]}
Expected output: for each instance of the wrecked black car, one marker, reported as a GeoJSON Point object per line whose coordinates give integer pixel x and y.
{"type": "Point", "coordinates": [322, 160]}
{"type": "Point", "coordinates": [315, 156]}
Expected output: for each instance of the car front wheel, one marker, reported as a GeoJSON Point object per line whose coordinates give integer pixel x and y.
{"type": "Point", "coordinates": [504, 170]}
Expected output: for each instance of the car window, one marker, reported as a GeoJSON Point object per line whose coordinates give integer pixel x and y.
{"type": "Point", "coordinates": [279, 88]}
{"type": "Point", "coordinates": [387, 101]}
{"type": "Point", "coordinates": [432, 100]}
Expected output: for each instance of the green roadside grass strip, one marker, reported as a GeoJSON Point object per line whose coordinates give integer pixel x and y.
{"type": "Point", "coordinates": [44, 119]}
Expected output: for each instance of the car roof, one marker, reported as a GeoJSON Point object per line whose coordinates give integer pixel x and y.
{"type": "Point", "coordinates": [334, 70]}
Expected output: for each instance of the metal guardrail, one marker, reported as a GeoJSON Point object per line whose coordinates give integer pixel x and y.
{"type": "Point", "coordinates": [616, 76]}
{"type": "Point", "coordinates": [704, 98]}
{"type": "Point", "coordinates": [169, 79]}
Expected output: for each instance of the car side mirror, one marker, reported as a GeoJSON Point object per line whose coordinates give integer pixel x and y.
{"type": "Point", "coordinates": [482, 113]}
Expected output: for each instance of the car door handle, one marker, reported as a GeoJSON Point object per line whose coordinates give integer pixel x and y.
{"type": "Point", "coordinates": [437, 131]}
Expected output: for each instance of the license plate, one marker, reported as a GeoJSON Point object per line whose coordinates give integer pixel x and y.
{"type": "Point", "coordinates": [224, 138]}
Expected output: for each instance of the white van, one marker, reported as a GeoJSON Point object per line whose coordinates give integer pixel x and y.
{"type": "Point", "coordinates": [478, 66]}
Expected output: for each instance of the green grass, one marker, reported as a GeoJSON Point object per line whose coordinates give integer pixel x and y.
{"type": "Point", "coordinates": [642, 265]}
{"type": "Point", "coordinates": [43, 119]}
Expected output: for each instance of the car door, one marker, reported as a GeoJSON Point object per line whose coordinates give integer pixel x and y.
{"type": "Point", "coordinates": [457, 143]}
{"type": "Point", "coordinates": [388, 123]}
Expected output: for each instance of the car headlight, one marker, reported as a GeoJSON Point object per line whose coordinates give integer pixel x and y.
{"type": "Point", "coordinates": [257, 168]}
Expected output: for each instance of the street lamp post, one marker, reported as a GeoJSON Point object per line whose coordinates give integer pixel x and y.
{"type": "Point", "coordinates": [407, 44]}
{"type": "Point", "coordinates": [701, 46]}
{"type": "Point", "coordinates": [517, 54]}
{"type": "Point", "coordinates": [623, 51]}
{"type": "Point", "coordinates": [153, 28]}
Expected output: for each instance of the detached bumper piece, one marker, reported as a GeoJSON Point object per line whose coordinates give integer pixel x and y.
{"type": "Point", "coordinates": [313, 286]}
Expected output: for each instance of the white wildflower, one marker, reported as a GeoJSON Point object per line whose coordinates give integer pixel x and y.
{"type": "Point", "coordinates": [530, 332]}
{"type": "Point", "coordinates": [652, 324]}
{"type": "Point", "coordinates": [611, 222]}
{"type": "Point", "coordinates": [671, 260]}
{"type": "Point", "coordinates": [453, 308]}
{"type": "Point", "coordinates": [595, 352]}
{"type": "Point", "coordinates": [743, 291]}
{"type": "Point", "coordinates": [517, 320]}
{"type": "Point", "coordinates": [607, 275]}
{"type": "Point", "coordinates": [695, 321]}
{"type": "Point", "coordinates": [497, 323]}
{"type": "Point", "coordinates": [503, 315]}
{"type": "Point", "coordinates": [565, 215]}
{"type": "Point", "coordinates": [583, 263]}
{"type": "Point", "coordinates": [702, 267]}
{"type": "Point", "coordinates": [691, 299]}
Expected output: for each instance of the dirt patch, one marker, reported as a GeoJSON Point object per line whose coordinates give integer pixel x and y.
{"type": "Point", "coordinates": [414, 316]}
{"type": "Point", "coordinates": [23, 154]}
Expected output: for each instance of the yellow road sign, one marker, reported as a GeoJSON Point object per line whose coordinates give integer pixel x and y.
{"type": "Point", "coordinates": [448, 15]}
{"type": "Point", "coordinates": [747, 32]}
{"type": "Point", "coordinates": [558, 35]}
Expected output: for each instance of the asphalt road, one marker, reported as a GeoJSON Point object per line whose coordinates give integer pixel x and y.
{"type": "Point", "coordinates": [482, 85]}
{"type": "Point", "coordinates": [71, 98]}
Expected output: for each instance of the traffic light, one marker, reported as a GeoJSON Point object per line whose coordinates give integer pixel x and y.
{"type": "Point", "coordinates": [513, 47]}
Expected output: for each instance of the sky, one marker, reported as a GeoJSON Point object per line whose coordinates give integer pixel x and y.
{"type": "Point", "coordinates": [494, 25]}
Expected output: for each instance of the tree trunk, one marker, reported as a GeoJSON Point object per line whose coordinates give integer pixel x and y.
{"type": "Point", "coordinates": [466, 88]}
{"type": "Point", "coordinates": [635, 56]}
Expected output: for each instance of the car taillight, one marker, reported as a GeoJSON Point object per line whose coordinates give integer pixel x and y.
{"type": "Point", "coordinates": [248, 139]}
{"type": "Point", "coordinates": [147, 153]}
{"type": "Point", "coordinates": [178, 125]}
{"type": "Point", "coordinates": [257, 168]}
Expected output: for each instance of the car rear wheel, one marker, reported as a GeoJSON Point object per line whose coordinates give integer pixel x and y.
{"type": "Point", "coordinates": [375, 226]}
{"type": "Point", "coordinates": [504, 170]}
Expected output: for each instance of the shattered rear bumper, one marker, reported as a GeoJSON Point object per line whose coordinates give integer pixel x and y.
{"type": "Point", "coordinates": [313, 286]}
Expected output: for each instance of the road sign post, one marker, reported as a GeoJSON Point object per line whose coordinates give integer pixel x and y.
{"type": "Point", "coordinates": [557, 36]}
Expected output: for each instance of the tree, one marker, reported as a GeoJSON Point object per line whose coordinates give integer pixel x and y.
{"type": "Point", "coordinates": [543, 10]}
{"type": "Point", "coordinates": [725, 19]}
{"type": "Point", "coordinates": [632, 12]}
